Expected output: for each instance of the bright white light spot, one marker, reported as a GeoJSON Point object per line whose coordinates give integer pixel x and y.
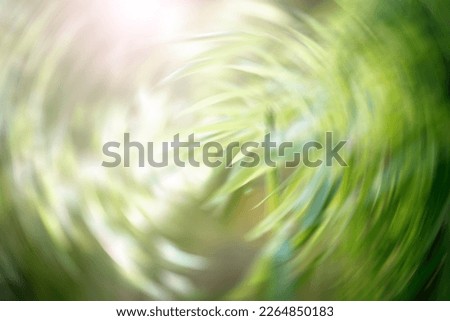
{"type": "Point", "coordinates": [151, 17]}
{"type": "Point", "coordinates": [139, 11]}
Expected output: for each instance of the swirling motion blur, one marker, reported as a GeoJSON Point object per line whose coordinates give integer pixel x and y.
{"type": "Point", "coordinates": [76, 74]}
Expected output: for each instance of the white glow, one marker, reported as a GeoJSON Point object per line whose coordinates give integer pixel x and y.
{"type": "Point", "coordinates": [139, 11]}
{"type": "Point", "coordinates": [155, 17]}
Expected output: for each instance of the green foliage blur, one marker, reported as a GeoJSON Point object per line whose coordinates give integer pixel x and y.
{"type": "Point", "coordinates": [76, 74]}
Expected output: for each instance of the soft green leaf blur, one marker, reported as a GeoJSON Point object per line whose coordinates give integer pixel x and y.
{"type": "Point", "coordinates": [75, 74]}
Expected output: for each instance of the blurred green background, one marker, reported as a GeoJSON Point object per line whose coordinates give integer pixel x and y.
{"type": "Point", "coordinates": [76, 74]}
